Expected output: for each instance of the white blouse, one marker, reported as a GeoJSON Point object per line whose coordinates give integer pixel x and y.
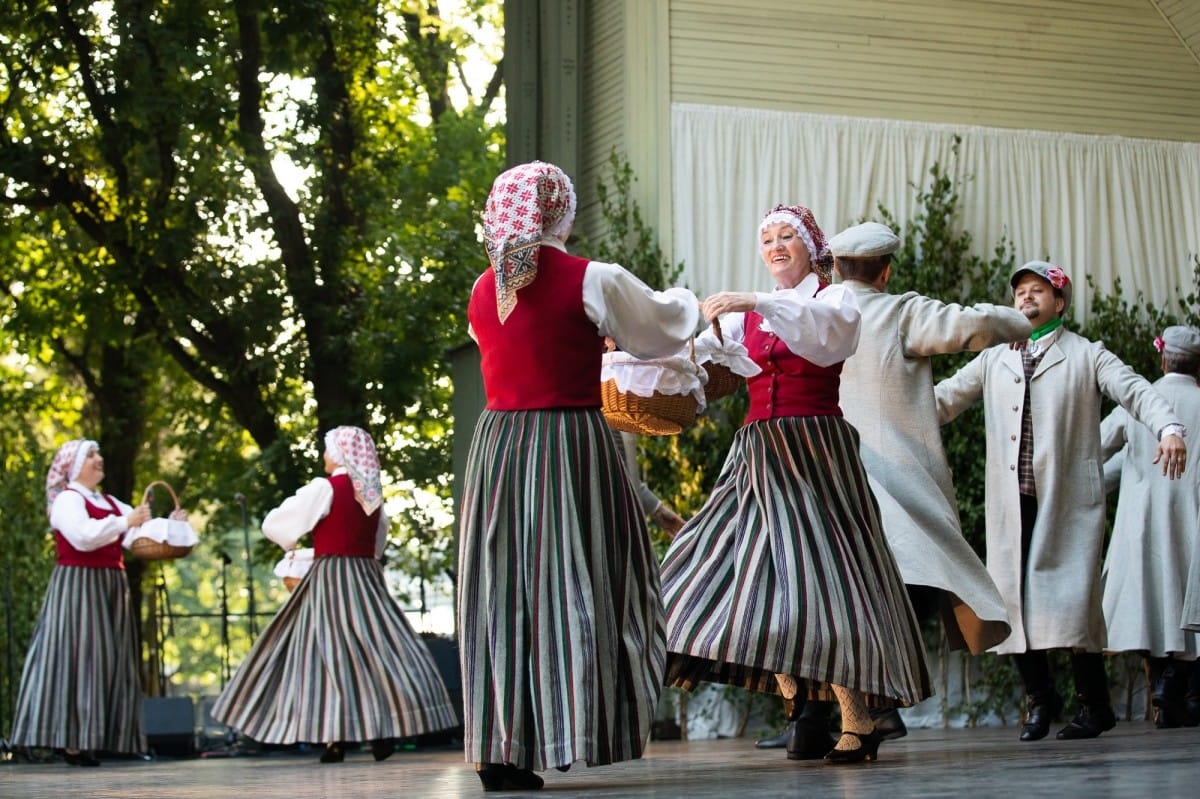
{"type": "Point", "coordinates": [643, 322]}
{"type": "Point", "coordinates": [821, 326]}
{"type": "Point", "coordinates": [299, 514]}
{"type": "Point", "coordinates": [69, 516]}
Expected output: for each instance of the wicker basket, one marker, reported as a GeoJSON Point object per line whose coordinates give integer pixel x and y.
{"type": "Point", "coordinates": [659, 415]}
{"type": "Point", "coordinates": [721, 379]}
{"type": "Point", "coordinates": [148, 548]}
{"type": "Point", "coordinates": [656, 415]}
{"type": "Point", "coordinates": [290, 583]}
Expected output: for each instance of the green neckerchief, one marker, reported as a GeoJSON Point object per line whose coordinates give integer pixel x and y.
{"type": "Point", "coordinates": [1049, 327]}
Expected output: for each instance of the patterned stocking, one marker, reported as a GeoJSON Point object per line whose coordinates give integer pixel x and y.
{"type": "Point", "coordinates": [855, 717]}
{"type": "Point", "coordinates": [788, 687]}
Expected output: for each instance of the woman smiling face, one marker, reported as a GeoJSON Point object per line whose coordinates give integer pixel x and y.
{"type": "Point", "coordinates": [785, 254]}
{"type": "Point", "coordinates": [91, 473]}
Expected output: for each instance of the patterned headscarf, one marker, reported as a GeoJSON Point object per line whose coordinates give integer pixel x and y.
{"type": "Point", "coordinates": [353, 448]}
{"type": "Point", "coordinates": [809, 231]}
{"type": "Point", "coordinates": [525, 204]}
{"type": "Point", "coordinates": [65, 467]}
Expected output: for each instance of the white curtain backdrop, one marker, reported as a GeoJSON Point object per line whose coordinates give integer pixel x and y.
{"type": "Point", "coordinates": [1096, 205]}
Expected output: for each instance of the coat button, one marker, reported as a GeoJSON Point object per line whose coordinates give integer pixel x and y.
{"type": "Point", "coordinates": [1016, 407]}
{"type": "Point", "coordinates": [1012, 438]}
{"type": "Point", "coordinates": [1012, 468]}
{"type": "Point", "coordinates": [1016, 380]}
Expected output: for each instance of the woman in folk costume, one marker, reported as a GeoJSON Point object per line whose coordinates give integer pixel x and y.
{"type": "Point", "coordinates": [339, 663]}
{"type": "Point", "coordinates": [559, 610]}
{"type": "Point", "coordinates": [80, 691]}
{"type": "Point", "coordinates": [783, 582]}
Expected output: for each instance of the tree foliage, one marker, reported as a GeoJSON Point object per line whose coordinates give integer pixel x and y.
{"type": "Point", "coordinates": [234, 225]}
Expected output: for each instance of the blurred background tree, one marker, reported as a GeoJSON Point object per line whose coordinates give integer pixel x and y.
{"type": "Point", "coordinates": [229, 227]}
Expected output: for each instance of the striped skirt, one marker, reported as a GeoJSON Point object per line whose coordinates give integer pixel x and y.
{"type": "Point", "coordinates": [559, 608]}
{"type": "Point", "coordinates": [80, 687]}
{"type": "Point", "coordinates": [339, 662]}
{"type": "Point", "coordinates": [785, 570]}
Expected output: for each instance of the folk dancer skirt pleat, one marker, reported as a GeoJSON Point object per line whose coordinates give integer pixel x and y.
{"type": "Point", "coordinates": [559, 607]}
{"type": "Point", "coordinates": [80, 687]}
{"type": "Point", "coordinates": [339, 662]}
{"type": "Point", "coordinates": [785, 570]}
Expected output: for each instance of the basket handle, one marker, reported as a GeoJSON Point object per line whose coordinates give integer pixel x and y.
{"type": "Point", "coordinates": [716, 326]}
{"type": "Point", "coordinates": [149, 492]}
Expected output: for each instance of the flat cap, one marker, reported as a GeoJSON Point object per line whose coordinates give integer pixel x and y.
{"type": "Point", "coordinates": [1054, 275]}
{"type": "Point", "coordinates": [1180, 339]}
{"type": "Point", "coordinates": [864, 241]}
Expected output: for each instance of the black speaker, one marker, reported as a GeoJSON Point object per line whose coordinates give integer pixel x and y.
{"type": "Point", "coordinates": [170, 725]}
{"type": "Point", "coordinates": [444, 650]}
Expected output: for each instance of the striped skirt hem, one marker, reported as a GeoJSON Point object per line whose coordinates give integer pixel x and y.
{"type": "Point", "coordinates": [560, 615]}
{"type": "Point", "coordinates": [339, 662]}
{"type": "Point", "coordinates": [785, 570]}
{"type": "Point", "coordinates": [80, 687]}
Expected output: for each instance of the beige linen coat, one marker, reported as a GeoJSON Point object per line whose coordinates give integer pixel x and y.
{"type": "Point", "coordinates": [1191, 600]}
{"type": "Point", "coordinates": [1154, 530]}
{"type": "Point", "coordinates": [887, 394]}
{"type": "Point", "coordinates": [1056, 603]}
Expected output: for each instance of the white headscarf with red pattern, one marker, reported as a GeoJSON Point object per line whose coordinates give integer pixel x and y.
{"type": "Point", "coordinates": [65, 467]}
{"type": "Point", "coordinates": [810, 233]}
{"type": "Point", "coordinates": [526, 204]}
{"type": "Point", "coordinates": [352, 448]}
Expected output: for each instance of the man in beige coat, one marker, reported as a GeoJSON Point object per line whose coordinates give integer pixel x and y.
{"type": "Point", "coordinates": [887, 394]}
{"type": "Point", "coordinates": [1146, 569]}
{"type": "Point", "coordinates": [1045, 492]}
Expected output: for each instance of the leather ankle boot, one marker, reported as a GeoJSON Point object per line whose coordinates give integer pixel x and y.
{"type": "Point", "coordinates": [810, 738]}
{"type": "Point", "coordinates": [1040, 709]}
{"type": "Point", "coordinates": [888, 723]}
{"type": "Point", "coordinates": [1170, 709]}
{"type": "Point", "coordinates": [1090, 720]}
{"type": "Point", "coordinates": [1192, 704]}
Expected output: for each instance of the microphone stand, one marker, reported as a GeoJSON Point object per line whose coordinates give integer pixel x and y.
{"type": "Point", "coordinates": [252, 611]}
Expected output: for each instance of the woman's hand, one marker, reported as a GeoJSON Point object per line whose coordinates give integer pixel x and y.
{"type": "Point", "coordinates": [139, 516]}
{"type": "Point", "coordinates": [727, 302]}
{"type": "Point", "coordinates": [666, 518]}
{"type": "Point", "coordinates": [179, 515]}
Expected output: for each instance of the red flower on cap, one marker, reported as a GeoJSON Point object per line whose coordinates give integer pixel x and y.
{"type": "Point", "coordinates": [1159, 343]}
{"type": "Point", "coordinates": [1057, 277]}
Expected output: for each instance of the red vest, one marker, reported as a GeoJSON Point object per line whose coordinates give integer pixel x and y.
{"type": "Point", "coordinates": [108, 556]}
{"type": "Point", "coordinates": [547, 353]}
{"type": "Point", "coordinates": [346, 530]}
{"type": "Point", "coordinates": [788, 385]}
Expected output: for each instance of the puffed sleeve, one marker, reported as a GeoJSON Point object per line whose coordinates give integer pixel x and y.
{"type": "Point", "coordinates": [299, 513]}
{"type": "Point", "coordinates": [643, 322]}
{"type": "Point", "coordinates": [69, 516]}
{"type": "Point", "coordinates": [823, 328]}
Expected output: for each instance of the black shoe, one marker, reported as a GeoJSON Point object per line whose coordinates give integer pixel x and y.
{"type": "Point", "coordinates": [868, 749]}
{"type": "Point", "coordinates": [1089, 722]}
{"type": "Point", "coordinates": [1170, 713]}
{"type": "Point", "coordinates": [809, 739]}
{"type": "Point", "coordinates": [1191, 705]}
{"type": "Point", "coordinates": [80, 759]}
{"type": "Point", "coordinates": [334, 753]}
{"type": "Point", "coordinates": [1170, 708]}
{"type": "Point", "coordinates": [507, 777]}
{"type": "Point", "coordinates": [382, 748]}
{"type": "Point", "coordinates": [778, 741]}
{"type": "Point", "coordinates": [888, 723]}
{"type": "Point", "coordinates": [1040, 710]}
